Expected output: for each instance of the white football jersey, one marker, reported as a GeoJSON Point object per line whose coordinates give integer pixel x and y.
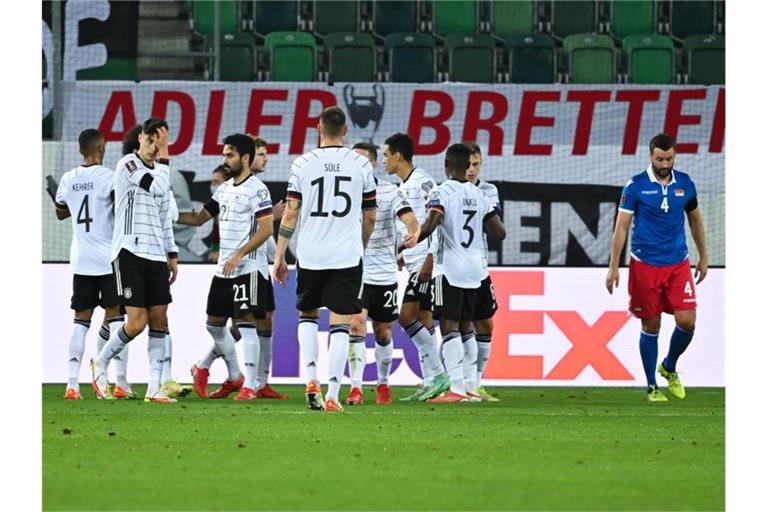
{"type": "Point", "coordinates": [491, 193]}
{"type": "Point", "coordinates": [87, 192]}
{"type": "Point", "coordinates": [334, 185]}
{"type": "Point", "coordinates": [239, 208]}
{"type": "Point", "coordinates": [380, 262]}
{"type": "Point", "coordinates": [416, 188]}
{"type": "Point", "coordinates": [142, 222]}
{"type": "Point", "coordinates": [460, 242]}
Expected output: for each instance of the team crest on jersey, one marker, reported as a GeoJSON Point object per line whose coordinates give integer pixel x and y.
{"type": "Point", "coordinates": [427, 186]}
{"type": "Point", "coordinates": [131, 165]}
{"type": "Point", "coordinates": [262, 194]}
{"type": "Point", "coordinates": [127, 293]}
{"type": "Point", "coordinates": [622, 200]}
{"type": "Point", "coordinates": [679, 192]}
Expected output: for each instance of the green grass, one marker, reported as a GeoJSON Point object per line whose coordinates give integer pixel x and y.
{"type": "Point", "coordinates": [537, 449]}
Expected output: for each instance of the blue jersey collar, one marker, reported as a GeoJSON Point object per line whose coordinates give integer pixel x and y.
{"type": "Point", "coordinates": [652, 177]}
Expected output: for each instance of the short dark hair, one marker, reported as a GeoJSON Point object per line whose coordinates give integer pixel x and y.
{"type": "Point", "coordinates": [131, 140]}
{"type": "Point", "coordinates": [243, 143]}
{"type": "Point", "coordinates": [89, 139]}
{"type": "Point", "coordinates": [457, 159]}
{"type": "Point", "coordinates": [401, 143]}
{"type": "Point", "coordinates": [473, 147]}
{"type": "Point", "coordinates": [258, 142]}
{"type": "Point", "coordinates": [153, 124]}
{"type": "Point", "coordinates": [662, 141]}
{"type": "Point", "coordinates": [220, 169]}
{"type": "Point", "coordinates": [371, 148]}
{"type": "Point", "coordinates": [332, 121]}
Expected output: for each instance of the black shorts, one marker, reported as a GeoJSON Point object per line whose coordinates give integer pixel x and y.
{"type": "Point", "coordinates": [236, 296]}
{"type": "Point", "coordinates": [453, 303]}
{"type": "Point", "coordinates": [380, 301]}
{"type": "Point", "coordinates": [91, 291]}
{"type": "Point", "coordinates": [141, 283]}
{"type": "Point", "coordinates": [486, 301]}
{"type": "Point", "coordinates": [339, 290]}
{"type": "Point", "coordinates": [418, 292]}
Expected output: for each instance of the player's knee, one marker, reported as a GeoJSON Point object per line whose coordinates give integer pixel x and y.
{"type": "Point", "coordinates": [357, 326]}
{"type": "Point", "coordinates": [688, 324]}
{"type": "Point", "coordinates": [84, 314]}
{"type": "Point", "coordinates": [484, 326]}
{"type": "Point", "coordinates": [382, 332]}
{"type": "Point", "coordinates": [651, 325]}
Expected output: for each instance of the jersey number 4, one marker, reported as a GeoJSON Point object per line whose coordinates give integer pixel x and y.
{"type": "Point", "coordinates": [337, 192]}
{"type": "Point", "coordinates": [83, 215]}
{"type": "Point", "coordinates": [665, 204]}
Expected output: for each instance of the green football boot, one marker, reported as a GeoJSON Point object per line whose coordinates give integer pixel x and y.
{"type": "Point", "coordinates": [486, 396]}
{"type": "Point", "coordinates": [414, 397]}
{"type": "Point", "coordinates": [441, 384]}
{"type": "Point", "coordinates": [673, 378]}
{"type": "Point", "coordinates": [655, 395]}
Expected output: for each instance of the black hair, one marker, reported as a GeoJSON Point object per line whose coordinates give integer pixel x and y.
{"type": "Point", "coordinates": [401, 143]}
{"type": "Point", "coordinates": [457, 160]}
{"type": "Point", "coordinates": [244, 145]}
{"type": "Point", "coordinates": [153, 124]}
{"type": "Point", "coordinates": [371, 148]}
{"type": "Point", "coordinates": [333, 120]}
{"type": "Point", "coordinates": [662, 141]}
{"type": "Point", "coordinates": [89, 140]}
{"type": "Point", "coordinates": [131, 140]}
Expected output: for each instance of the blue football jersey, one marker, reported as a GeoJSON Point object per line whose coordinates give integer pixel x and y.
{"type": "Point", "coordinates": [658, 227]}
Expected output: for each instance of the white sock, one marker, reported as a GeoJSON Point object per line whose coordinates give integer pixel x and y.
{"type": "Point", "coordinates": [121, 359]}
{"type": "Point", "coordinates": [101, 341]}
{"type": "Point", "coordinates": [76, 349]}
{"type": "Point", "coordinates": [226, 347]}
{"type": "Point", "coordinates": [469, 345]}
{"type": "Point", "coordinates": [212, 355]}
{"type": "Point", "coordinates": [383, 354]}
{"type": "Point", "coordinates": [453, 354]}
{"type": "Point", "coordinates": [265, 358]}
{"type": "Point", "coordinates": [337, 359]}
{"type": "Point", "coordinates": [427, 350]}
{"type": "Point", "coordinates": [309, 346]}
{"type": "Point", "coordinates": [156, 354]}
{"type": "Point", "coordinates": [251, 349]}
{"type": "Point", "coordinates": [167, 373]}
{"type": "Point", "coordinates": [117, 342]}
{"type": "Point", "coordinates": [357, 360]}
{"type": "Point", "coordinates": [483, 354]}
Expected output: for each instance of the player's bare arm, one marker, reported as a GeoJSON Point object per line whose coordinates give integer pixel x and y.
{"type": "Point", "coordinates": [425, 273]}
{"type": "Point", "coordinates": [619, 237]}
{"type": "Point", "coordinates": [494, 228]}
{"type": "Point", "coordinates": [369, 222]}
{"type": "Point", "coordinates": [434, 218]}
{"type": "Point", "coordinates": [263, 233]}
{"type": "Point", "coordinates": [287, 228]}
{"type": "Point", "coordinates": [195, 218]}
{"type": "Point", "coordinates": [173, 267]}
{"type": "Point", "coordinates": [412, 224]}
{"type": "Point", "coordinates": [696, 221]}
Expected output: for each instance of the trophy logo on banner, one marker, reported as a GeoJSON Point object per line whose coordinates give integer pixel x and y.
{"type": "Point", "coordinates": [365, 110]}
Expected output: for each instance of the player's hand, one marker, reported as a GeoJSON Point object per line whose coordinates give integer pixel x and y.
{"type": "Point", "coordinates": [173, 266]}
{"type": "Point", "coordinates": [231, 265]}
{"type": "Point", "coordinates": [213, 256]}
{"type": "Point", "coordinates": [701, 270]}
{"type": "Point", "coordinates": [425, 275]}
{"type": "Point", "coordinates": [161, 140]}
{"type": "Point", "coordinates": [280, 271]}
{"type": "Point", "coordinates": [278, 209]}
{"type": "Point", "coordinates": [410, 241]}
{"type": "Point", "coordinates": [612, 279]}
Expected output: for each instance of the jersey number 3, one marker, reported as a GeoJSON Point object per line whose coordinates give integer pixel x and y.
{"type": "Point", "coordinates": [470, 214]}
{"type": "Point", "coordinates": [83, 215]}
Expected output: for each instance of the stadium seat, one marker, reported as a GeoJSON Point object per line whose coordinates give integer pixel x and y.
{"type": "Point", "coordinates": [351, 56]}
{"type": "Point", "coordinates": [629, 17]}
{"type": "Point", "coordinates": [454, 17]}
{"type": "Point", "coordinates": [203, 15]}
{"type": "Point", "coordinates": [705, 56]}
{"type": "Point", "coordinates": [275, 16]}
{"type": "Point", "coordinates": [573, 17]}
{"type": "Point", "coordinates": [411, 57]}
{"type": "Point", "coordinates": [237, 62]}
{"type": "Point", "coordinates": [591, 58]}
{"type": "Point", "coordinates": [390, 17]}
{"type": "Point", "coordinates": [687, 18]}
{"type": "Point", "coordinates": [513, 18]}
{"type": "Point", "coordinates": [336, 16]}
{"type": "Point", "coordinates": [650, 58]}
{"type": "Point", "coordinates": [471, 58]}
{"type": "Point", "coordinates": [532, 59]}
{"type": "Point", "coordinates": [292, 56]}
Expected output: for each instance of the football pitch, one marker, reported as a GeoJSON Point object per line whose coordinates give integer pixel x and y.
{"type": "Point", "coordinates": [536, 449]}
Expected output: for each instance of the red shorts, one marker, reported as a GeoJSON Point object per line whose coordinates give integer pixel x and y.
{"type": "Point", "coordinates": [654, 289]}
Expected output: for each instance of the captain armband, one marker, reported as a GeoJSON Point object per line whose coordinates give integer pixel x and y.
{"type": "Point", "coordinates": [286, 232]}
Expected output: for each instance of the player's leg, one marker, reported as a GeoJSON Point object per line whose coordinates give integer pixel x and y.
{"type": "Point", "coordinates": [246, 324]}
{"type": "Point", "coordinates": [309, 288]}
{"type": "Point", "coordinates": [356, 356]}
{"type": "Point", "coordinates": [453, 354]}
{"type": "Point", "coordinates": [218, 309]}
{"type": "Point", "coordinates": [469, 346]}
{"type": "Point", "coordinates": [264, 331]}
{"type": "Point", "coordinates": [484, 310]}
{"type": "Point", "coordinates": [85, 297]}
{"type": "Point", "coordinates": [432, 305]}
{"type": "Point", "coordinates": [156, 351]}
{"type": "Point", "coordinates": [382, 332]}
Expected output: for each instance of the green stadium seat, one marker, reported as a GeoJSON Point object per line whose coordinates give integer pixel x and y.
{"type": "Point", "coordinates": [629, 17]}
{"type": "Point", "coordinates": [237, 62]}
{"type": "Point", "coordinates": [115, 69]}
{"type": "Point", "coordinates": [650, 58]}
{"type": "Point", "coordinates": [705, 55]}
{"type": "Point", "coordinates": [336, 16]}
{"type": "Point", "coordinates": [203, 14]}
{"type": "Point", "coordinates": [573, 17]}
{"type": "Point", "coordinates": [292, 56]}
{"type": "Point", "coordinates": [513, 18]}
{"type": "Point", "coordinates": [532, 59]}
{"type": "Point", "coordinates": [591, 58]}
{"type": "Point", "coordinates": [351, 56]}
{"type": "Point", "coordinates": [393, 16]}
{"type": "Point", "coordinates": [691, 18]}
{"type": "Point", "coordinates": [454, 16]}
{"type": "Point", "coordinates": [471, 58]}
{"type": "Point", "coordinates": [275, 16]}
{"type": "Point", "coordinates": [411, 57]}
